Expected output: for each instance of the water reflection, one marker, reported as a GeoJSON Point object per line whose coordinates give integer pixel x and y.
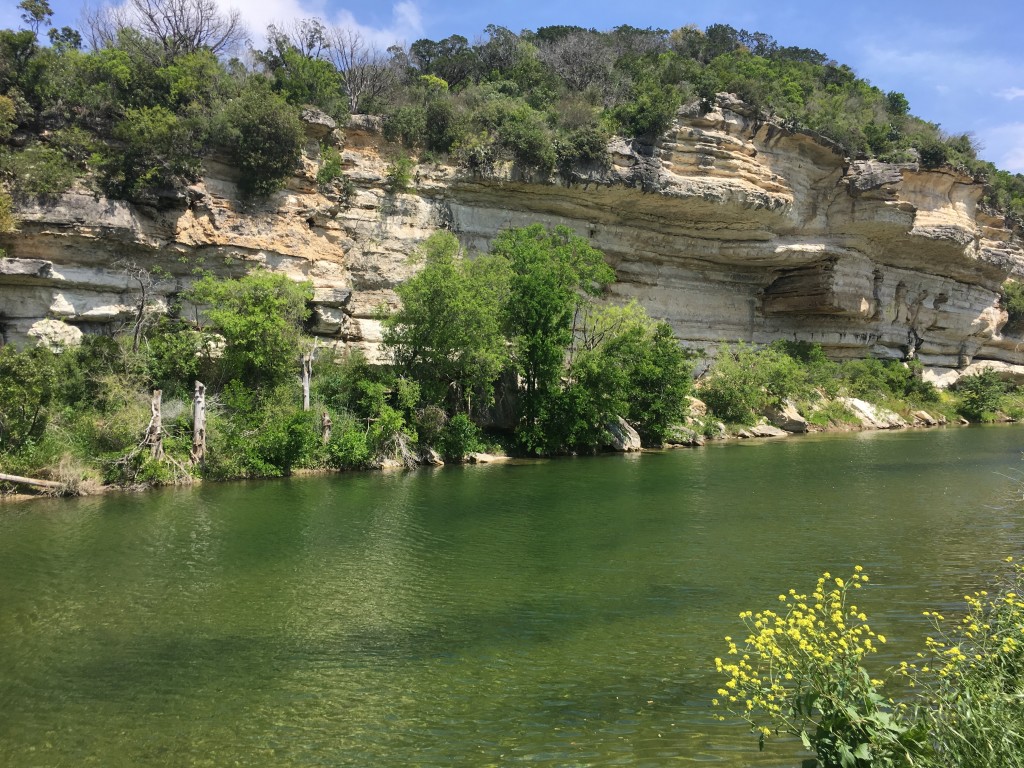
{"type": "Point", "coordinates": [562, 613]}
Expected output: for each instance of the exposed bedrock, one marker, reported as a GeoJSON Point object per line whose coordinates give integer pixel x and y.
{"type": "Point", "coordinates": [729, 228]}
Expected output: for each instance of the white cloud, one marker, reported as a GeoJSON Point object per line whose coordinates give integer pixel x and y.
{"type": "Point", "coordinates": [1011, 93]}
{"type": "Point", "coordinates": [1004, 146]}
{"type": "Point", "coordinates": [406, 22]}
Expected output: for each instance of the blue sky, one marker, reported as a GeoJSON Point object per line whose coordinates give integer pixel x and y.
{"type": "Point", "coordinates": [960, 64]}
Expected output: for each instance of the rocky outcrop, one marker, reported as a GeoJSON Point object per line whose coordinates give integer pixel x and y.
{"type": "Point", "coordinates": [872, 416]}
{"type": "Point", "coordinates": [622, 437]}
{"type": "Point", "coordinates": [728, 227]}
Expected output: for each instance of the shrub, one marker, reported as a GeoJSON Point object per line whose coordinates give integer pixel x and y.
{"type": "Point", "coordinates": [26, 390]}
{"type": "Point", "coordinates": [348, 448]}
{"type": "Point", "coordinates": [399, 174]}
{"type": "Point", "coordinates": [1013, 303]}
{"type": "Point", "coordinates": [260, 317]}
{"type": "Point", "coordinates": [460, 437]}
{"type": "Point", "coordinates": [972, 680]}
{"type": "Point", "coordinates": [157, 150]}
{"type": "Point", "coordinates": [743, 381]}
{"type": "Point", "coordinates": [39, 171]}
{"type": "Point", "coordinates": [264, 136]}
{"type": "Point", "coordinates": [979, 396]}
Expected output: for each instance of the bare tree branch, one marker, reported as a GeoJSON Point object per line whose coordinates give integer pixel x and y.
{"type": "Point", "coordinates": [177, 27]}
{"type": "Point", "coordinates": [366, 71]}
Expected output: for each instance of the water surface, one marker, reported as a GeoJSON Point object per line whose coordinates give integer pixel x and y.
{"type": "Point", "coordinates": [561, 613]}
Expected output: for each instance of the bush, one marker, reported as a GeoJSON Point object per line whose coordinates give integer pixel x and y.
{"type": "Point", "coordinates": [399, 174]}
{"type": "Point", "coordinates": [264, 136]}
{"type": "Point", "coordinates": [260, 317]}
{"type": "Point", "coordinates": [743, 381]}
{"type": "Point", "coordinates": [157, 150]}
{"type": "Point", "coordinates": [26, 391]}
{"type": "Point", "coordinates": [1013, 302]}
{"type": "Point", "coordinates": [979, 397]}
{"type": "Point", "coordinates": [973, 680]}
{"type": "Point", "coordinates": [459, 438]}
{"type": "Point", "coordinates": [348, 448]}
{"type": "Point", "coordinates": [261, 434]}
{"type": "Point", "coordinates": [38, 171]}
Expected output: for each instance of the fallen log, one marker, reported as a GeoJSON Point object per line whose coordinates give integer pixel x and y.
{"type": "Point", "coordinates": [18, 480]}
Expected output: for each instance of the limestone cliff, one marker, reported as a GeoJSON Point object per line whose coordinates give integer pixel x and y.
{"type": "Point", "coordinates": [728, 227]}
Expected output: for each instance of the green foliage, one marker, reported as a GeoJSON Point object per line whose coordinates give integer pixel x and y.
{"type": "Point", "coordinates": [264, 136]}
{"type": "Point", "coordinates": [348, 448]}
{"type": "Point", "coordinates": [979, 397]}
{"type": "Point", "coordinates": [1013, 302]}
{"type": "Point", "coordinates": [447, 335]}
{"type": "Point", "coordinates": [157, 150]}
{"type": "Point", "coordinates": [38, 171]}
{"type": "Point", "coordinates": [551, 274]}
{"type": "Point", "coordinates": [971, 680]}
{"type": "Point", "coordinates": [7, 220]}
{"type": "Point", "coordinates": [260, 317]}
{"type": "Point", "coordinates": [330, 168]}
{"type": "Point", "coordinates": [881, 380]}
{"type": "Point", "coordinates": [262, 433]}
{"type": "Point", "coordinates": [801, 672]}
{"type": "Point", "coordinates": [744, 381]}
{"type": "Point", "coordinates": [26, 389]}
{"type": "Point", "coordinates": [8, 120]}
{"type": "Point", "coordinates": [399, 174]}
{"type": "Point", "coordinates": [459, 438]}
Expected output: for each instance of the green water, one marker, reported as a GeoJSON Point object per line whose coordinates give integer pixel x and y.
{"type": "Point", "coordinates": [554, 614]}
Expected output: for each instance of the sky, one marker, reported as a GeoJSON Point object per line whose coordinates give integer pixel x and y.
{"type": "Point", "coordinates": [961, 65]}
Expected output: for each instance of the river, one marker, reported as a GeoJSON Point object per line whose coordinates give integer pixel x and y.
{"type": "Point", "coordinates": [559, 613]}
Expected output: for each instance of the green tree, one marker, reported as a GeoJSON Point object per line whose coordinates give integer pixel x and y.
{"type": "Point", "coordinates": [264, 135]}
{"type": "Point", "coordinates": [552, 274]}
{"type": "Point", "coordinates": [447, 334]}
{"type": "Point", "coordinates": [158, 149]}
{"type": "Point", "coordinates": [260, 317]}
{"type": "Point", "coordinates": [26, 389]}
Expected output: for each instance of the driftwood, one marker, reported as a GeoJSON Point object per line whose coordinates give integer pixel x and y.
{"type": "Point", "coordinates": [18, 480]}
{"type": "Point", "coordinates": [199, 423]}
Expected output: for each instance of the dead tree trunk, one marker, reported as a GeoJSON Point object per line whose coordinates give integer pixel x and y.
{"type": "Point", "coordinates": [155, 432]}
{"type": "Point", "coordinates": [199, 423]}
{"type": "Point", "coordinates": [325, 427]}
{"type": "Point", "coordinates": [307, 374]}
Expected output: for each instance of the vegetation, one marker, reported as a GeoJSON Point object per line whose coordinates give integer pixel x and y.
{"type": "Point", "coordinates": [156, 88]}
{"type": "Point", "coordinates": [803, 671]}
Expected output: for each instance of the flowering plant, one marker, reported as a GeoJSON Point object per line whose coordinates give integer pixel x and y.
{"type": "Point", "coordinates": [800, 671]}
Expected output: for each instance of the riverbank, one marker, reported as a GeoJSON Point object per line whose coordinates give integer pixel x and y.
{"type": "Point", "coordinates": [683, 438]}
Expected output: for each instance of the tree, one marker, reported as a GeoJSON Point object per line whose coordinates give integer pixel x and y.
{"type": "Point", "coordinates": [177, 26]}
{"type": "Point", "coordinates": [552, 273]}
{"type": "Point", "coordinates": [447, 335]}
{"type": "Point", "coordinates": [260, 317]}
{"type": "Point", "coordinates": [26, 389]}
{"type": "Point", "coordinates": [36, 13]}
{"type": "Point", "coordinates": [264, 135]}
{"type": "Point", "coordinates": [367, 73]}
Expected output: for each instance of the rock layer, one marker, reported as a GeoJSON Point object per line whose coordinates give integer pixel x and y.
{"type": "Point", "coordinates": [728, 227]}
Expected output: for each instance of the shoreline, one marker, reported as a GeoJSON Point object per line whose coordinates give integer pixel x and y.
{"type": "Point", "coordinates": [480, 459]}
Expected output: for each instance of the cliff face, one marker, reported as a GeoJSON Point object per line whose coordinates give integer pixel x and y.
{"type": "Point", "coordinates": [728, 228]}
